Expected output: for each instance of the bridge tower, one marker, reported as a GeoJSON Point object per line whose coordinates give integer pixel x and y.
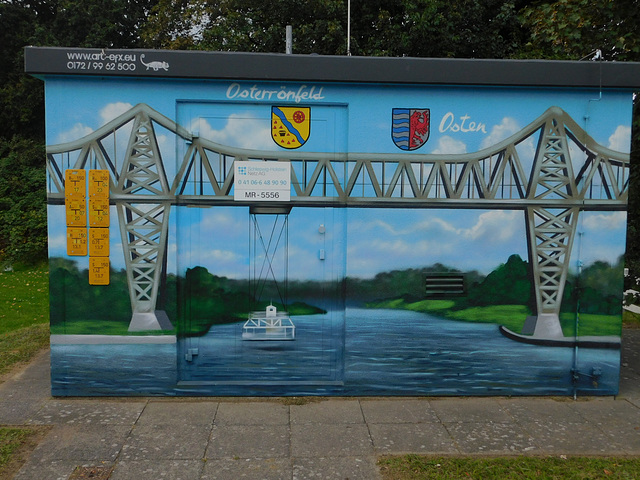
{"type": "Point", "coordinates": [550, 228]}
{"type": "Point", "coordinates": [144, 220]}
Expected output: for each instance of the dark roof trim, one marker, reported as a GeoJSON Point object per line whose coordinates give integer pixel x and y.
{"type": "Point", "coordinates": [321, 68]}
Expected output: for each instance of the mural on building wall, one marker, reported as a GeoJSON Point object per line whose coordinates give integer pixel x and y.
{"type": "Point", "coordinates": [298, 239]}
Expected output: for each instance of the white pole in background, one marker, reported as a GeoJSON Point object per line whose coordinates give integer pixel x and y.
{"type": "Point", "coordinates": [289, 41]}
{"type": "Point", "coordinates": [349, 27]}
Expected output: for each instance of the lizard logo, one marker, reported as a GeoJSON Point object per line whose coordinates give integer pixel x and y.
{"type": "Point", "coordinates": [154, 65]}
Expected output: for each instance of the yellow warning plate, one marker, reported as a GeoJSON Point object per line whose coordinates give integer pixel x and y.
{"type": "Point", "coordinates": [99, 183]}
{"type": "Point", "coordinates": [75, 183]}
{"type": "Point", "coordinates": [76, 211]}
{"type": "Point", "coordinates": [99, 242]}
{"type": "Point", "coordinates": [98, 212]}
{"type": "Point", "coordinates": [98, 271]}
{"type": "Point", "coordinates": [76, 241]}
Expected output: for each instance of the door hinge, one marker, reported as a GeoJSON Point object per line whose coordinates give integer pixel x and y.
{"type": "Point", "coordinates": [191, 352]}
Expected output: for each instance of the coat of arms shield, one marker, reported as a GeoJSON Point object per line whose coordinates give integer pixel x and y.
{"type": "Point", "coordinates": [410, 127]}
{"type": "Point", "coordinates": [290, 126]}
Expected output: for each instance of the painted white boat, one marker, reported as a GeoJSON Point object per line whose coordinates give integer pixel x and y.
{"type": "Point", "coordinates": [269, 325]}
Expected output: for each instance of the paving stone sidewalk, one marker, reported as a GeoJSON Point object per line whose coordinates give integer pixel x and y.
{"type": "Point", "coordinates": [216, 438]}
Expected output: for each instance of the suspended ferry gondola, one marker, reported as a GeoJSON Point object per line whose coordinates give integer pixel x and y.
{"type": "Point", "coordinates": [269, 325]}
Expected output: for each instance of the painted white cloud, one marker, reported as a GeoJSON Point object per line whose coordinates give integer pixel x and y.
{"type": "Point", "coordinates": [620, 140]}
{"type": "Point", "coordinates": [499, 132]}
{"type": "Point", "coordinates": [379, 227]}
{"type": "Point", "coordinates": [449, 146]}
{"type": "Point", "coordinates": [605, 221]}
{"type": "Point", "coordinates": [223, 263]}
{"type": "Point", "coordinates": [366, 258]}
{"type": "Point", "coordinates": [390, 243]}
{"type": "Point", "coordinates": [527, 153]}
{"type": "Point", "coordinates": [212, 238]}
{"type": "Point", "coordinates": [578, 156]}
{"type": "Point", "coordinates": [526, 149]}
{"type": "Point", "coordinates": [239, 132]}
{"type": "Point", "coordinates": [495, 226]}
{"type": "Point", "coordinates": [57, 230]}
{"type": "Point", "coordinates": [108, 113]}
{"type": "Point", "coordinates": [57, 243]}
{"type": "Point", "coordinates": [113, 110]}
{"type": "Point", "coordinates": [79, 130]}
{"type": "Point", "coordinates": [305, 263]}
{"type": "Point", "coordinates": [216, 224]}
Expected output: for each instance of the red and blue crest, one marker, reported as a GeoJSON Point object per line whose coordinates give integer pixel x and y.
{"type": "Point", "coordinates": [410, 127]}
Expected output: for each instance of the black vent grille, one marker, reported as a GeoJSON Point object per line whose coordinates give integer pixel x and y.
{"type": "Point", "coordinates": [444, 284]}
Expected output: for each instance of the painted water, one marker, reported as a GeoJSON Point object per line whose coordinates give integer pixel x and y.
{"type": "Point", "coordinates": [360, 352]}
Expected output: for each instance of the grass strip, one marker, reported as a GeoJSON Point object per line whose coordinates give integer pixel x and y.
{"type": "Point", "coordinates": [630, 319]}
{"type": "Point", "coordinates": [16, 443]}
{"type": "Point", "coordinates": [102, 327]}
{"type": "Point", "coordinates": [24, 315]}
{"type": "Point", "coordinates": [24, 298]}
{"type": "Point", "coordinates": [511, 316]}
{"type": "Point", "coordinates": [10, 440]}
{"type": "Point", "coordinates": [20, 346]}
{"type": "Point", "coordinates": [418, 467]}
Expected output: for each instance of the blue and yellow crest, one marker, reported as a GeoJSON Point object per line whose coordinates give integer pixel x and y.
{"type": "Point", "coordinates": [290, 126]}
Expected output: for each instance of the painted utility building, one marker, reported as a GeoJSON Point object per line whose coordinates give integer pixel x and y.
{"type": "Point", "coordinates": [252, 224]}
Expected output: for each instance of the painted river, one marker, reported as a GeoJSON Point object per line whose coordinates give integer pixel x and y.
{"type": "Point", "coordinates": [363, 352]}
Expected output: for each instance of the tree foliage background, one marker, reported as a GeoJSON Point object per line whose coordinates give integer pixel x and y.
{"type": "Point", "coordinates": [563, 29]}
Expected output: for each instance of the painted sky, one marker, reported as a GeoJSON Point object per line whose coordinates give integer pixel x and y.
{"type": "Point", "coordinates": [357, 119]}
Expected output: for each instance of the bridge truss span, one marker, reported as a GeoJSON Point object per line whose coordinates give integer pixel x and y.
{"type": "Point", "coordinates": [551, 169]}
